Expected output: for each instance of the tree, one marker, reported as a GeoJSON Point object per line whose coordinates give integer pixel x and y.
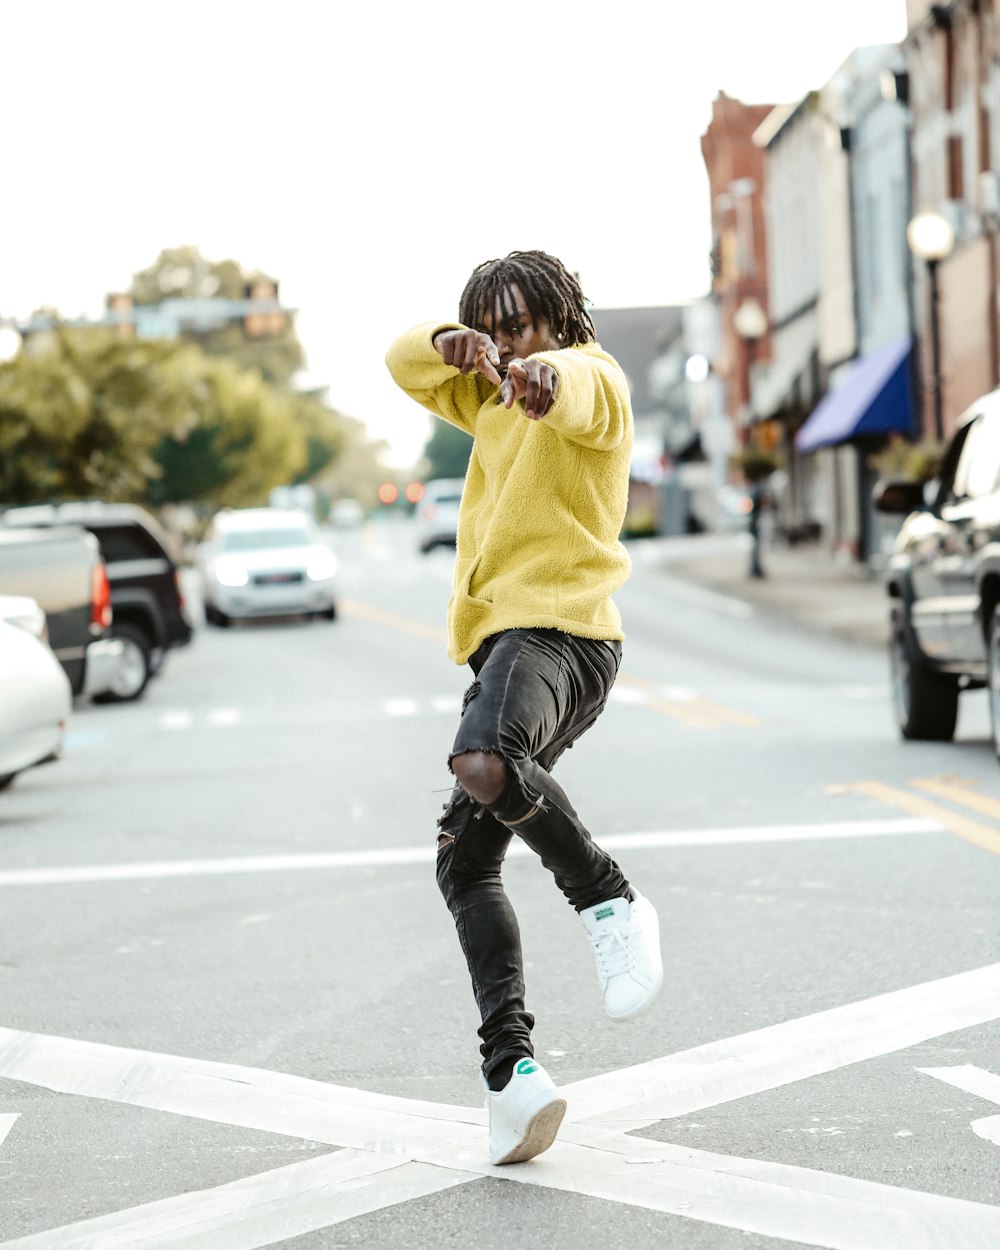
{"type": "Point", "coordinates": [81, 412]}
{"type": "Point", "coordinates": [183, 273]}
{"type": "Point", "coordinates": [447, 451]}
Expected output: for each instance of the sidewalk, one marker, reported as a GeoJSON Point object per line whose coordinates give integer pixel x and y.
{"type": "Point", "coordinates": [804, 582]}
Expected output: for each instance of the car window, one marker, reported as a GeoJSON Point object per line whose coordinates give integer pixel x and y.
{"type": "Point", "coordinates": [978, 470]}
{"type": "Point", "coordinates": [127, 542]}
{"type": "Point", "coordinates": [265, 540]}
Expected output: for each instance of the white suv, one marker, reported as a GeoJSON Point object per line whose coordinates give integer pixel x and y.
{"type": "Point", "coordinates": [265, 562]}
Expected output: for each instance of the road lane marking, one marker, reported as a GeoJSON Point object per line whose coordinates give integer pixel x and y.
{"type": "Point", "coordinates": [398, 856]}
{"type": "Point", "coordinates": [780, 1054]}
{"type": "Point", "coordinates": [7, 1122]}
{"type": "Point", "coordinates": [176, 720]}
{"type": "Point", "coordinates": [223, 717]}
{"type": "Point", "coordinates": [971, 830]}
{"type": "Point", "coordinates": [397, 1149]}
{"type": "Point", "coordinates": [683, 705]}
{"type": "Point", "coordinates": [379, 616]}
{"type": "Point", "coordinates": [700, 714]}
{"type": "Point", "coordinates": [953, 789]}
{"type": "Point", "coordinates": [259, 1210]}
{"type": "Point", "coordinates": [400, 707]}
{"type": "Point", "coordinates": [982, 1084]}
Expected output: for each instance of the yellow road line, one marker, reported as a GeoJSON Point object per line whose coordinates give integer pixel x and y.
{"type": "Point", "coordinates": [971, 830]}
{"type": "Point", "coordinates": [379, 616]}
{"type": "Point", "coordinates": [698, 713]}
{"type": "Point", "coordinates": [953, 789]}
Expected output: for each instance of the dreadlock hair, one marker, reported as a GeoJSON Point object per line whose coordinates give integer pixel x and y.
{"type": "Point", "coordinates": [551, 293]}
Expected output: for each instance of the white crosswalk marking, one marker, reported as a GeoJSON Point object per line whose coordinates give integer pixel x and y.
{"type": "Point", "coordinates": [397, 1149]}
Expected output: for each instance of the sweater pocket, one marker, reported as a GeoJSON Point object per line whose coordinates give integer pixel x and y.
{"type": "Point", "coordinates": [473, 584]}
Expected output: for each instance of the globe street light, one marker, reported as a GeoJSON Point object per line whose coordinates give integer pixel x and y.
{"type": "Point", "coordinates": [931, 239]}
{"type": "Point", "coordinates": [10, 342]}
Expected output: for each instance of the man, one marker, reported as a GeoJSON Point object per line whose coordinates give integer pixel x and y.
{"type": "Point", "coordinates": [538, 558]}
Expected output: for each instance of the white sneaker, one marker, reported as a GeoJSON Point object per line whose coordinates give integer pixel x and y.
{"type": "Point", "coordinates": [525, 1115]}
{"type": "Point", "coordinates": [626, 940]}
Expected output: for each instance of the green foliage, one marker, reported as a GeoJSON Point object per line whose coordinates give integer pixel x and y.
{"type": "Point", "coordinates": [208, 419]}
{"type": "Point", "coordinates": [81, 413]}
{"type": "Point", "coordinates": [756, 463]}
{"type": "Point", "coordinates": [919, 462]}
{"type": "Point", "coordinates": [447, 451]}
{"type": "Point", "coordinates": [183, 273]}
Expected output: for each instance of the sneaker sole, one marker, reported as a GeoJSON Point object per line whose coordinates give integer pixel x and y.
{"type": "Point", "coordinates": [541, 1133]}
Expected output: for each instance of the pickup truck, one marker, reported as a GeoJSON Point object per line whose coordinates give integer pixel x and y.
{"type": "Point", "coordinates": [943, 581]}
{"type": "Point", "coordinates": [62, 568]}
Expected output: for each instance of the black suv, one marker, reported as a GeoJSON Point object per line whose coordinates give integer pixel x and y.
{"type": "Point", "coordinates": [148, 611]}
{"type": "Point", "coordinates": [944, 581]}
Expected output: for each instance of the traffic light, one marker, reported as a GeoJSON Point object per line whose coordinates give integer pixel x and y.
{"type": "Point", "coordinates": [120, 308]}
{"type": "Point", "coordinates": [415, 492]}
{"type": "Point", "coordinates": [388, 493]}
{"type": "Point", "coordinates": [269, 324]}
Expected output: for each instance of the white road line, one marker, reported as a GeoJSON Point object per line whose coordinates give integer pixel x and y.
{"type": "Point", "coordinates": [771, 1199]}
{"type": "Point", "coordinates": [176, 720]}
{"type": "Point", "coordinates": [396, 856]}
{"type": "Point", "coordinates": [982, 1084]}
{"type": "Point", "coordinates": [400, 707]}
{"type": "Point", "coordinates": [772, 1057]}
{"type": "Point", "coordinates": [6, 1124]}
{"type": "Point", "coordinates": [258, 1210]}
{"type": "Point", "coordinates": [973, 1080]}
{"type": "Point", "coordinates": [223, 716]}
{"type": "Point", "coordinates": [776, 1200]}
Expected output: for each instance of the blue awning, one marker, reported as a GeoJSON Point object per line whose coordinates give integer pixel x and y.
{"type": "Point", "coordinates": [875, 398]}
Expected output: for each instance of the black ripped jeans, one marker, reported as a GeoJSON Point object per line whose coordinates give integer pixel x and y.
{"type": "Point", "coordinates": [536, 691]}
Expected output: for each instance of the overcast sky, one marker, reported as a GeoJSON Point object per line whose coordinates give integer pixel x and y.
{"type": "Point", "coordinates": [370, 154]}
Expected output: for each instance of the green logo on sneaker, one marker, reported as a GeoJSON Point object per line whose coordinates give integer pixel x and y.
{"type": "Point", "coordinates": [525, 1067]}
{"type": "Point", "coordinates": [604, 914]}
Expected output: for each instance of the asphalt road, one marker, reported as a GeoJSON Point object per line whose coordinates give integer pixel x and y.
{"type": "Point", "coordinates": [233, 1010]}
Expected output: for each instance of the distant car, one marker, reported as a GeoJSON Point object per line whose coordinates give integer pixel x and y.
{"type": "Point", "coordinates": [436, 514]}
{"type": "Point", "coordinates": [35, 693]}
{"type": "Point", "coordinates": [346, 514]}
{"type": "Point", "coordinates": [149, 615]}
{"type": "Point", "coordinates": [266, 562]}
{"type": "Point", "coordinates": [943, 581]}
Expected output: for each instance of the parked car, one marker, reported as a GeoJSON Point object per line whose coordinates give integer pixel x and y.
{"type": "Point", "coordinates": [437, 513]}
{"type": "Point", "coordinates": [35, 693]}
{"type": "Point", "coordinates": [266, 562]}
{"type": "Point", "coordinates": [944, 581]}
{"type": "Point", "coordinates": [62, 569]}
{"type": "Point", "coordinates": [149, 613]}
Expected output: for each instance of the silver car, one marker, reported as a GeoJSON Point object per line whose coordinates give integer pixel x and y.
{"type": "Point", "coordinates": [436, 514]}
{"type": "Point", "coordinates": [265, 562]}
{"type": "Point", "coordinates": [35, 695]}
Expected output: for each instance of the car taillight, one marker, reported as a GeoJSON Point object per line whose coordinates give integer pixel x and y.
{"type": "Point", "coordinates": [180, 593]}
{"type": "Point", "coordinates": [100, 599]}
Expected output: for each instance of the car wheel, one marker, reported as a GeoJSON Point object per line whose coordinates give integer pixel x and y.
{"type": "Point", "coordinates": [330, 613]}
{"type": "Point", "coordinates": [993, 658]}
{"type": "Point", "coordinates": [6, 780]}
{"type": "Point", "coordinates": [926, 703]}
{"type": "Point", "coordinates": [214, 617]}
{"type": "Point", "coordinates": [134, 671]}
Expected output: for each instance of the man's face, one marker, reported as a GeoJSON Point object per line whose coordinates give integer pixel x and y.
{"type": "Point", "coordinates": [513, 330]}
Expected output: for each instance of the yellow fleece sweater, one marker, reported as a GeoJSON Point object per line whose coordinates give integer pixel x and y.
{"type": "Point", "coordinates": [544, 501]}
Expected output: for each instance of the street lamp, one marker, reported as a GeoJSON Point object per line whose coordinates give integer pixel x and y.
{"type": "Point", "coordinates": [931, 239]}
{"type": "Point", "coordinates": [10, 342]}
{"type": "Point", "coordinates": [750, 323]}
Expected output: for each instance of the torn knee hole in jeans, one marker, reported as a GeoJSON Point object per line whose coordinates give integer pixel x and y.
{"type": "Point", "coordinates": [471, 693]}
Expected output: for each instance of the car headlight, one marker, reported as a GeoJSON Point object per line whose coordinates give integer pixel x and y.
{"type": "Point", "coordinates": [321, 567]}
{"type": "Point", "coordinates": [229, 573]}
